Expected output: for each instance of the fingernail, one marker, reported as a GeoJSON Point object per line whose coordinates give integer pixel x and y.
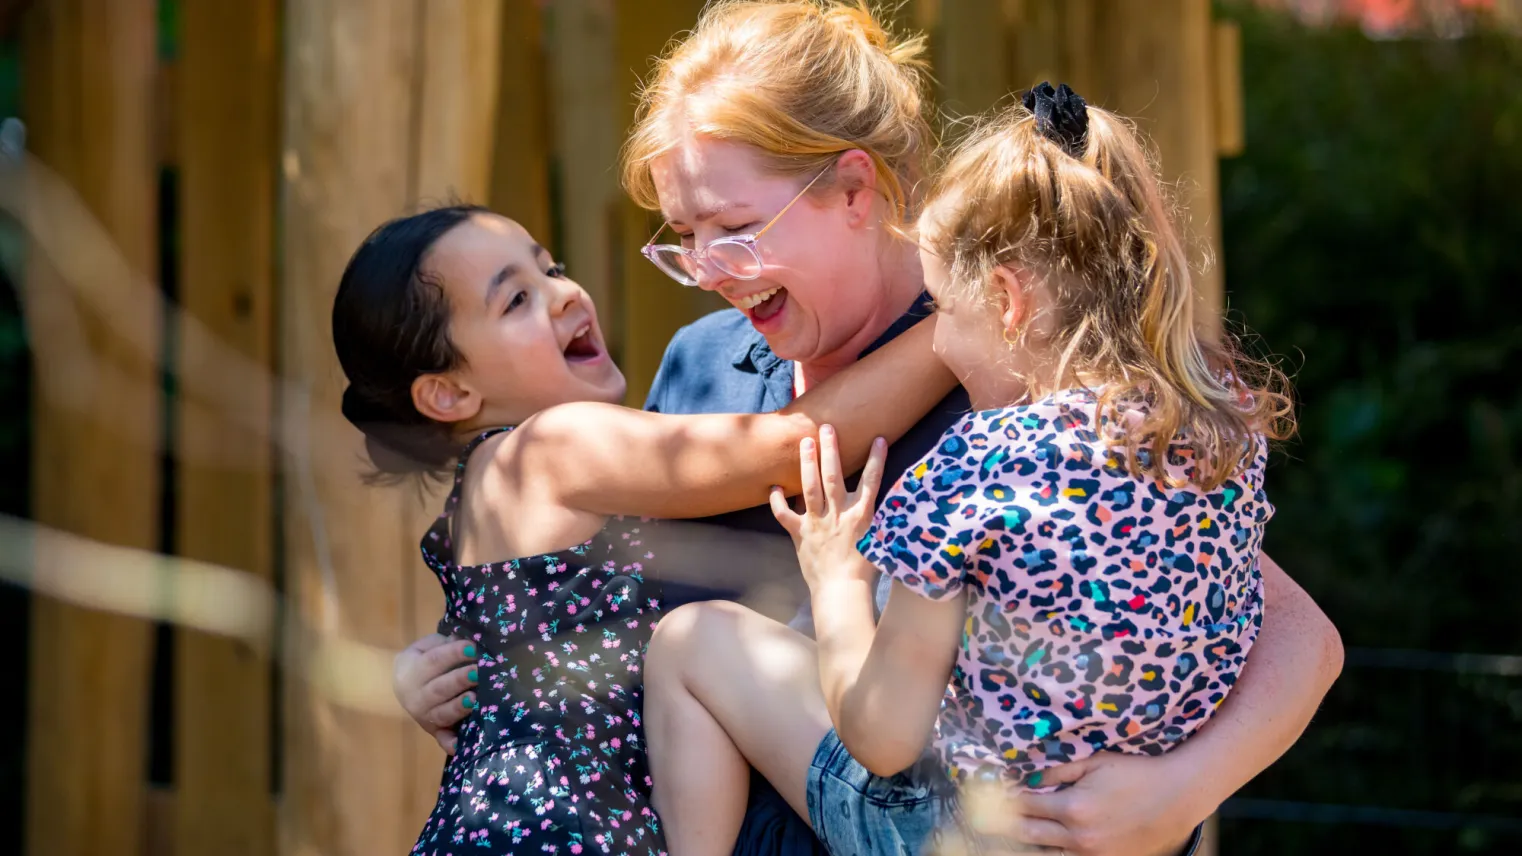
{"type": "Point", "coordinates": [808, 444]}
{"type": "Point", "coordinates": [1035, 780]}
{"type": "Point", "coordinates": [472, 676]}
{"type": "Point", "coordinates": [470, 650]}
{"type": "Point", "coordinates": [469, 702]}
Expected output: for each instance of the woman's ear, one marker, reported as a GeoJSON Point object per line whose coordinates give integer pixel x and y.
{"type": "Point", "coordinates": [440, 398]}
{"type": "Point", "coordinates": [856, 175]}
{"type": "Point", "coordinates": [1010, 282]}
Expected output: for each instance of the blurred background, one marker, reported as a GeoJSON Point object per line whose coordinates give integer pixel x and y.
{"type": "Point", "coordinates": [200, 600]}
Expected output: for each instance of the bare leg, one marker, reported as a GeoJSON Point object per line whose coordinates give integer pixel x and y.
{"type": "Point", "coordinates": [725, 685]}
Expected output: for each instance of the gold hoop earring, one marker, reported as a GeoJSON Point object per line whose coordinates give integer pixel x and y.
{"type": "Point", "coordinates": [1010, 342]}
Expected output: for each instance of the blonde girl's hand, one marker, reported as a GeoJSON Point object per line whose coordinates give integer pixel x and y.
{"type": "Point", "coordinates": [833, 520]}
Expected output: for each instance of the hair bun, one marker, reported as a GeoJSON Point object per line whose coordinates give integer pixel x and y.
{"type": "Point", "coordinates": [358, 410]}
{"type": "Point", "coordinates": [858, 19]}
{"type": "Point", "coordinates": [1061, 115]}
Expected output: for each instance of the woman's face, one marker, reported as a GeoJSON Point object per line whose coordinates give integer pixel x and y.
{"type": "Point", "coordinates": [821, 283]}
{"type": "Point", "coordinates": [529, 334]}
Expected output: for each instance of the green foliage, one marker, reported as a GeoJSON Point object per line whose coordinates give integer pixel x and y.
{"type": "Point", "coordinates": [1371, 233]}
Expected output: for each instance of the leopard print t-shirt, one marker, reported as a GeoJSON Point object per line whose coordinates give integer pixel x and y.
{"type": "Point", "coordinates": [1104, 612]}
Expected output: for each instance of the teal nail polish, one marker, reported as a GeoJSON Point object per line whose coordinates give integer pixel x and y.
{"type": "Point", "coordinates": [469, 702]}
{"type": "Point", "coordinates": [472, 676]}
{"type": "Point", "coordinates": [470, 650]}
{"type": "Point", "coordinates": [1035, 780]}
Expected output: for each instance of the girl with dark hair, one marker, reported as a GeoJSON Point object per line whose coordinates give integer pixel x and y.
{"type": "Point", "coordinates": [465, 344]}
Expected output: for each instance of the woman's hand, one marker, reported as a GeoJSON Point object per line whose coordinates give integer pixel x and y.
{"type": "Point", "coordinates": [1117, 805]}
{"type": "Point", "coordinates": [825, 534]}
{"type": "Point", "coordinates": [432, 679]}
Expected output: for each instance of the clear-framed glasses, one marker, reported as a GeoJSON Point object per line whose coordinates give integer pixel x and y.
{"type": "Point", "coordinates": [734, 255]}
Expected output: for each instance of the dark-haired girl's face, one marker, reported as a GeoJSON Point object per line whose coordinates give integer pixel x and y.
{"type": "Point", "coordinates": [528, 333]}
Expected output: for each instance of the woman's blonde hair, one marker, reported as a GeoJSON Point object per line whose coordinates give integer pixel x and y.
{"type": "Point", "coordinates": [1087, 216]}
{"type": "Point", "coordinates": [801, 81]}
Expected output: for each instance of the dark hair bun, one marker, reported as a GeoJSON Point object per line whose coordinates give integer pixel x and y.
{"type": "Point", "coordinates": [390, 327]}
{"type": "Point", "coordinates": [399, 444]}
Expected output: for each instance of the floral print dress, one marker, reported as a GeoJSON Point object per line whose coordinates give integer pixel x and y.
{"type": "Point", "coordinates": [552, 760]}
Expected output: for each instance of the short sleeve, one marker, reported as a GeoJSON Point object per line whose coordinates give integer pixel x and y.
{"type": "Point", "coordinates": [929, 528]}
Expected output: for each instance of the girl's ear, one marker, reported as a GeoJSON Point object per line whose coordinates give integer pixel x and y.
{"type": "Point", "coordinates": [1011, 282]}
{"type": "Point", "coordinates": [440, 398]}
{"type": "Point", "coordinates": [856, 175]}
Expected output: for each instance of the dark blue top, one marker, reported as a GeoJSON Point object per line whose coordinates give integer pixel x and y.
{"type": "Point", "coordinates": [720, 364]}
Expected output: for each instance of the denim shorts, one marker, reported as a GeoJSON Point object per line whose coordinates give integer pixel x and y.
{"type": "Point", "coordinates": [856, 813]}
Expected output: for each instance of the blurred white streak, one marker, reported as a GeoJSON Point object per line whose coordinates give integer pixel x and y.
{"type": "Point", "coordinates": [134, 582]}
{"type": "Point", "coordinates": [198, 595]}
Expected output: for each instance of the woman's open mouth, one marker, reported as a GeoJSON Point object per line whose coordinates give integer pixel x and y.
{"type": "Point", "coordinates": [764, 304]}
{"type": "Point", "coordinates": [583, 348]}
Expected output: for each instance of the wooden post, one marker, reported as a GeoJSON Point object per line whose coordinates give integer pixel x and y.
{"type": "Point", "coordinates": [654, 306]}
{"type": "Point", "coordinates": [972, 57]}
{"type": "Point", "coordinates": [363, 83]}
{"type": "Point", "coordinates": [584, 86]}
{"type": "Point", "coordinates": [521, 167]}
{"type": "Point", "coordinates": [227, 143]}
{"type": "Point", "coordinates": [1226, 61]}
{"type": "Point", "coordinates": [89, 69]}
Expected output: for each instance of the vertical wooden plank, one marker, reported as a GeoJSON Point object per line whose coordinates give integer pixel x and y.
{"type": "Point", "coordinates": [457, 122]}
{"type": "Point", "coordinates": [1036, 44]}
{"type": "Point", "coordinates": [406, 78]}
{"type": "Point", "coordinates": [585, 89]}
{"type": "Point", "coordinates": [350, 84]}
{"type": "Point", "coordinates": [973, 57]}
{"type": "Point", "coordinates": [227, 143]}
{"type": "Point", "coordinates": [654, 306]}
{"type": "Point", "coordinates": [521, 162]}
{"type": "Point", "coordinates": [1230, 130]}
{"type": "Point", "coordinates": [89, 70]}
{"type": "Point", "coordinates": [1157, 69]}
{"type": "Point", "coordinates": [457, 110]}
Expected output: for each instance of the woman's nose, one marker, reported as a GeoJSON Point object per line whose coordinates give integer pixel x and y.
{"type": "Point", "coordinates": [709, 276]}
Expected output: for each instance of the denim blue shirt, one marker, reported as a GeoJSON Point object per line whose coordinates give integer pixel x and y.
{"type": "Point", "coordinates": [720, 364]}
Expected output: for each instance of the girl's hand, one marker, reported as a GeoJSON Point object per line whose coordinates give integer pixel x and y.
{"type": "Point", "coordinates": [825, 535]}
{"type": "Point", "coordinates": [432, 679]}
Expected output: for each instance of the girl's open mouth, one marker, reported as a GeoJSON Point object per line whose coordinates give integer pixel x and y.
{"type": "Point", "coordinates": [583, 348]}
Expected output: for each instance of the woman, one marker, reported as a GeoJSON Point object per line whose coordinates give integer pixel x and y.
{"type": "Point", "coordinates": [761, 99]}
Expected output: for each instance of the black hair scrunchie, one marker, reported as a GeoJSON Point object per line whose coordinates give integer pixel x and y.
{"type": "Point", "coordinates": [1061, 115]}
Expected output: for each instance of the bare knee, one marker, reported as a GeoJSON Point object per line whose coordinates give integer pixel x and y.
{"type": "Point", "coordinates": [689, 631]}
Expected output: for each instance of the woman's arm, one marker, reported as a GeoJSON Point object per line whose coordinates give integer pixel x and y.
{"type": "Point", "coordinates": [612, 460]}
{"type": "Point", "coordinates": [1125, 804]}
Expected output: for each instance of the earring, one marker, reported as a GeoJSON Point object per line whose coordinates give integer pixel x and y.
{"type": "Point", "coordinates": [1010, 342]}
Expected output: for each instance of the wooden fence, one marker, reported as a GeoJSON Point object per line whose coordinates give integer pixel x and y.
{"type": "Point", "coordinates": [293, 129]}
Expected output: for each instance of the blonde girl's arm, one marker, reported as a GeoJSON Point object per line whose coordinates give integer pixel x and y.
{"type": "Point", "coordinates": [606, 459]}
